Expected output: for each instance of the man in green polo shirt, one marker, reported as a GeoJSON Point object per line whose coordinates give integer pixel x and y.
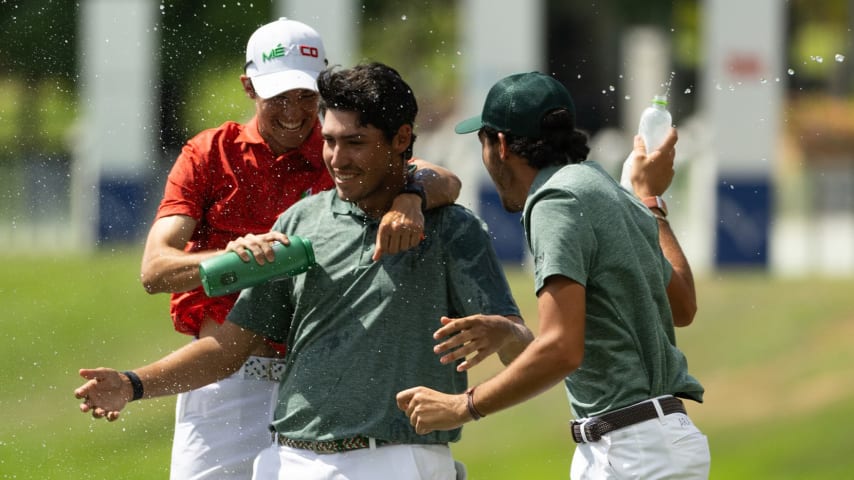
{"type": "Point", "coordinates": [358, 330]}
{"type": "Point", "coordinates": [611, 284]}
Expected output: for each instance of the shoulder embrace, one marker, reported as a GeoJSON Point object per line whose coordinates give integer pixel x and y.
{"type": "Point", "coordinates": [455, 218]}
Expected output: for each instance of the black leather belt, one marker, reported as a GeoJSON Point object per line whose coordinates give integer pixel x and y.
{"type": "Point", "coordinates": [595, 427]}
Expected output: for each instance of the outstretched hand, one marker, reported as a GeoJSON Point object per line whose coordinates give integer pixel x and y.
{"type": "Point", "coordinates": [481, 335]}
{"type": "Point", "coordinates": [105, 393]}
{"type": "Point", "coordinates": [652, 172]}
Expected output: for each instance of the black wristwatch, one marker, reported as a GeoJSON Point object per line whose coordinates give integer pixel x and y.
{"type": "Point", "coordinates": [415, 187]}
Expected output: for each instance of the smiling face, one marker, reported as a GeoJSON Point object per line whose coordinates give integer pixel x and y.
{"type": "Point", "coordinates": [367, 168]}
{"type": "Point", "coordinates": [286, 120]}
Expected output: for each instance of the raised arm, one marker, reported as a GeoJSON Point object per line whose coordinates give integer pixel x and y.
{"type": "Point", "coordinates": [402, 227]}
{"type": "Point", "coordinates": [651, 176]}
{"type": "Point", "coordinates": [441, 186]}
{"type": "Point", "coordinates": [199, 363]}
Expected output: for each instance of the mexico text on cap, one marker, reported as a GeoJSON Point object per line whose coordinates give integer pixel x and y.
{"type": "Point", "coordinates": [284, 55]}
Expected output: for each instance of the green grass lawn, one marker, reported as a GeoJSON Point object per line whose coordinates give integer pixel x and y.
{"type": "Point", "coordinates": [775, 356]}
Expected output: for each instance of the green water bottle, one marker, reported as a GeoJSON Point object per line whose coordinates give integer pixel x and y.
{"type": "Point", "coordinates": [228, 273]}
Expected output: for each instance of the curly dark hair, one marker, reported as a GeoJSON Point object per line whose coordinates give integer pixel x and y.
{"type": "Point", "coordinates": [376, 92]}
{"type": "Point", "coordinates": [560, 143]}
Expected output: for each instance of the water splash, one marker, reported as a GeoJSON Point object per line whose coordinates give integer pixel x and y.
{"type": "Point", "coordinates": [668, 84]}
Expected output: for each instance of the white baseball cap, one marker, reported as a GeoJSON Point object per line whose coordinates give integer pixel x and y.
{"type": "Point", "coordinates": [284, 55]}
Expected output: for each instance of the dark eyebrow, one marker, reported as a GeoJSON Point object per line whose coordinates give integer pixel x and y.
{"type": "Point", "coordinates": [354, 136]}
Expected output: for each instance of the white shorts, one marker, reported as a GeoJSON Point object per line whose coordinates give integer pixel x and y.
{"type": "Point", "coordinates": [398, 462]}
{"type": "Point", "coordinates": [221, 428]}
{"type": "Point", "coordinates": [665, 447]}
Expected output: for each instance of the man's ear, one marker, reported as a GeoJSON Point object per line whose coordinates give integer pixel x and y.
{"type": "Point", "coordinates": [402, 139]}
{"type": "Point", "coordinates": [503, 149]}
{"type": "Point", "coordinates": [247, 87]}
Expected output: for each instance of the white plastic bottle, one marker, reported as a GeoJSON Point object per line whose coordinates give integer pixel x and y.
{"type": "Point", "coordinates": [654, 125]}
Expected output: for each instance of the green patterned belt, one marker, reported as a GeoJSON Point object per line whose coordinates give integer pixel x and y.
{"type": "Point", "coordinates": [331, 446]}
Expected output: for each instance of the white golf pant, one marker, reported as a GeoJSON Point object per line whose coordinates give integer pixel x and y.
{"type": "Point", "coordinates": [221, 428]}
{"type": "Point", "coordinates": [392, 462]}
{"type": "Point", "coordinates": [667, 447]}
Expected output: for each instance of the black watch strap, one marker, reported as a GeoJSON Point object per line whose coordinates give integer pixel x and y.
{"type": "Point", "coordinates": [415, 187]}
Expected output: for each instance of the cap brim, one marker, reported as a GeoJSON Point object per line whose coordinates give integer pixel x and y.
{"type": "Point", "coordinates": [272, 84]}
{"type": "Point", "coordinates": [469, 125]}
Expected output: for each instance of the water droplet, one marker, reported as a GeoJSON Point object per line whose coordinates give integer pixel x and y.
{"type": "Point", "coordinates": [791, 71]}
{"type": "Point", "coordinates": [839, 57]}
{"type": "Point", "coordinates": [763, 80]}
{"type": "Point", "coordinates": [403, 17]}
{"type": "Point", "coordinates": [628, 97]}
{"type": "Point", "coordinates": [687, 91]}
{"type": "Point", "coordinates": [611, 88]}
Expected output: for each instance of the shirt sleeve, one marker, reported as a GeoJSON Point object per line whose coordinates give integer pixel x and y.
{"type": "Point", "coordinates": [186, 185]}
{"type": "Point", "coordinates": [477, 282]}
{"type": "Point", "coordinates": [562, 240]}
{"type": "Point", "coordinates": [267, 308]}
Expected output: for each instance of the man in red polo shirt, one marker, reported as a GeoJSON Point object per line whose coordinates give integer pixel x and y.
{"type": "Point", "coordinates": [233, 181]}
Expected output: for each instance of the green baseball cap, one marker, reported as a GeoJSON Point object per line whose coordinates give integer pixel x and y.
{"type": "Point", "coordinates": [517, 104]}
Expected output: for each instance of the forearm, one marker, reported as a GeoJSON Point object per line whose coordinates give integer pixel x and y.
{"type": "Point", "coordinates": [680, 291]}
{"type": "Point", "coordinates": [539, 367]}
{"type": "Point", "coordinates": [521, 338]}
{"type": "Point", "coordinates": [441, 186]}
{"type": "Point", "coordinates": [554, 354]}
{"type": "Point", "coordinates": [172, 270]}
{"type": "Point", "coordinates": [195, 365]}
{"type": "Point", "coordinates": [166, 267]}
